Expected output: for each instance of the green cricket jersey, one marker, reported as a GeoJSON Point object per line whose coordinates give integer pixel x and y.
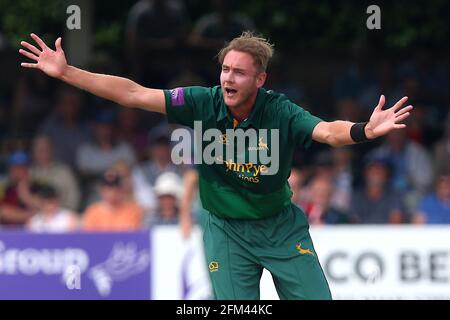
{"type": "Point", "coordinates": [240, 190]}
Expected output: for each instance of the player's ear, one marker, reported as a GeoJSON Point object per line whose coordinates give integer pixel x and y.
{"type": "Point", "coordinates": [261, 79]}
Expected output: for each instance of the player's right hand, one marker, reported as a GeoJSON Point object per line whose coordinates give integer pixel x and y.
{"type": "Point", "coordinates": [53, 63]}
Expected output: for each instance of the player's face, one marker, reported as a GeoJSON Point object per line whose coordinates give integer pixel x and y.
{"type": "Point", "coordinates": [240, 79]}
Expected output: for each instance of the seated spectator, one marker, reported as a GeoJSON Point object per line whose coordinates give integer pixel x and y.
{"type": "Point", "coordinates": [435, 208]}
{"type": "Point", "coordinates": [64, 126]}
{"type": "Point", "coordinates": [357, 77]}
{"type": "Point", "coordinates": [51, 217]}
{"type": "Point", "coordinates": [168, 189]}
{"type": "Point", "coordinates": [385, 82]}
{"type": "Point", "coordinates": [349, 109]}
{"type": "Point", "coordinates": [31, 102]}
{"type": "Point", "coordinates": [16, 206]}
{"type": "Point", "coordinates": [376, 203]}
{"type": "Point", "coordinates": [94, 158]}
{"type": "Point", "coordinates": [319, 209]}
{"type": "Point", "coordinates": [442, 150]}
{"type": "Point", "coordinates": [130, 131]}
{"type": "Point", "coordinates": [412, 173]}
{"type": "Point", "coordinates": [45, 169]}
{"type": "Point", "coordinates": [113, 212]}
{"type": "Point", "coordinates": [135, 187]}
{"type": "Point", "coordinates": [342, 177]}
{"type": "Point", "coordinates": [160, 160]}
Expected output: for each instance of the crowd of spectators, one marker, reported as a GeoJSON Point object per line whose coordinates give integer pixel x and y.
{"type": "Point", "coordinates": [70, 161]}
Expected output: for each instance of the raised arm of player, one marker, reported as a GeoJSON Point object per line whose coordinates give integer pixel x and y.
{"type": "Point", "coordinates": [338, 133]}
{"type": "Point", "coordinates": [120, 90]}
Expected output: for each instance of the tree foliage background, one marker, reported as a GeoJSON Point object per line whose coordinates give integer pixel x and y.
{"type": "Point", "coordinates": [290, 23]}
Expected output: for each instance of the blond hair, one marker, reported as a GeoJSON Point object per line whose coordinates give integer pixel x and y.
{"type": "Point", "coordinates": [258, 47]}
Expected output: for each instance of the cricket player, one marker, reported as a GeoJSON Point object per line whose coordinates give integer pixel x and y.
{"type": "Point", "coordinates": [252, 223]}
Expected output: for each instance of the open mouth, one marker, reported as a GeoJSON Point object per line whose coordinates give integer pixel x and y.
{"type": "Point", "coordinates": [230, 92]}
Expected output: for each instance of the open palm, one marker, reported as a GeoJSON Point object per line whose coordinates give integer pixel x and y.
{"type": "Point", "coordinates": [383, 121]}
{"type": "Point", "coordinates": [52, 62]}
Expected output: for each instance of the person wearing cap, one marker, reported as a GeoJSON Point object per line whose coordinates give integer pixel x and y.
{"type": "Point", "coordinates": [15, 207]}
{"type": "Point", "coordinates": [114, 212]}
{"type": "Point", "coordinates": [168, 189]}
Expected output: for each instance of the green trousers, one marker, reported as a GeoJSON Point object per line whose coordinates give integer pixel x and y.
{"type": "Point", "coordinates": [238, 250]}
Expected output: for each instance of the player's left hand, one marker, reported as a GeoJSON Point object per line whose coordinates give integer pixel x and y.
{"type": "Point", "coordinates": [383, 121]}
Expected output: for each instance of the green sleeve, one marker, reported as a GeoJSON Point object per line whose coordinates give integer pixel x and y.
{"type": "Point", "coordinates": [183, 105]}
{"type": "Point", "coordinates": [301, 124]}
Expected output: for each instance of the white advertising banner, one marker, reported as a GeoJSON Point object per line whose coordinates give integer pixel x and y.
{"type": "Point", "coordinates": [381, 262]}
{"type": "Point", "coordinates": [178, 269]}
{"type": "Point", "coordinates": [360, 262]}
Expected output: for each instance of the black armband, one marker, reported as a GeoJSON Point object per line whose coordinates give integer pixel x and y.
{"type": "Point", "coordinates": [358, 133]}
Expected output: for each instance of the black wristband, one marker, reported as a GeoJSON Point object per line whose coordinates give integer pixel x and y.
{"type": "Point", "coordinates": [358, 133]}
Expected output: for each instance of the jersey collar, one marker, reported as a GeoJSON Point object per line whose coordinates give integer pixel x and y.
{"type": "Point", "coordinates": [255, 115]}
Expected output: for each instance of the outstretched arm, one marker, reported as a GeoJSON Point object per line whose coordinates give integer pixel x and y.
{"type": "Point", "coordinates": [120, 90]}
{"type": "Point", "coordinates": [339, 133]}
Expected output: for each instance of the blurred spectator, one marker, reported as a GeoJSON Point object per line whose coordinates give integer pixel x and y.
{"type": "Point", "coordinates": [45, 169]}
{"type": "Point", "coordinates": [3, 42]}
{"type": "Point", "coordinates": [322, 167]}
{"type": "Point", "coordinates": [285, 79]}
{"type": "Point", "coordinates": [63, 126]}
{"type": "Point", "coordinates": [135, 187]}
{"type": "Point", "coordinates": [376, 203]}
{"type": "Point", "coordinates": [357, 76]}
{"type": "Point", "coordinates": [15, 205]}
{"type": "Point", "coordinates": [295, 181]}
{"type": "Point", "coordinates": [412, 172]}
{"type": "Point", "coordinates": [429, 76]}
{"type": "Point", "coordinates": [319, 209]}
{"type": "Point", "coordinates": [349, 109]}
{"type": "Point", "coordinates": [385, 83]}
{"type": "Point", "coordinates": [187, 77]}
{"type": "Point", "coordinates": [31, 102]}
{"type": "Point", "coordinates": [213, 30]}
{"type": "Point", "coordinates": [412, 89]}
{"type": "Point", "coordinates": [130, 131]}
{"type": "Point", "coordinates": [94, 158]}
{"type": "Point", "coordinates": [51, 216]}
{"type": "Point", "coordinates": [113, 212]}
{"type": "Point", "coordinates": [323, 164]}
{"type": "Point", "coordinates": [342, 177]}
{"type": "Point", "coordinates": [435, 208]}
{"type": "Point", "coordinates": [155, 29]}
{"type": "Point", "coordinates": [416, 130]}
{"type": "Point", "coordinates": [160, 160]}
{"type": "Point", "coordinates": [442, 150]}
{"type": "Point", "coordinates": [168, 189]}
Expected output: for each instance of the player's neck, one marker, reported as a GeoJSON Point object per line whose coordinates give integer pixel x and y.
{"type": "Point", "coordinates": [244, 110]}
